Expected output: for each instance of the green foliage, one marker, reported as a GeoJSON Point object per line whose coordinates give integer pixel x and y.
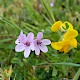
{"type": "Point", "coordinates": [34, 16]}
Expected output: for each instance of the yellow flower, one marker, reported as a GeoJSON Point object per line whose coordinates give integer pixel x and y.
{"type": "Point", "coordinates": [62, 46]}
{"type": "Point", "coordinates": [69, 24]}
{"type": "Point", "coordinates": [69, 36]}
{"type": "Point", "coordinates": [58, 25]}
{"type": "Point", "coordinates": [57, 45]}
{"type": "Point", "coordinates": [67, 41]}
{"type": "Point", "coordinates": [65, 48]}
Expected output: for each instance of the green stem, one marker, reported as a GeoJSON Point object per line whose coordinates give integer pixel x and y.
{"type": "Point", "coordinates": [77, 75]}
{"type": "Point", "coordinates": [67, 6]}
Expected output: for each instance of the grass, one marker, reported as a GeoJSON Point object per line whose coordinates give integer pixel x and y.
{"type": "Point", "coordinates": [34, 16]}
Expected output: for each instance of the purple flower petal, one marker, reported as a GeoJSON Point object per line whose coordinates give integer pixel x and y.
{"type": "Point", "coordinates": [30, 37]}
{"type": "Point", "coordinates": [21, 39]}
{"type": "Point", "coordinates": [35, 42]}
{"type": "Point", "coordinates": [45, 41]}
{"type": "Point", "coordinates": [39, 35]}
{"type": "Point", "coordinates": [18, 41]}
{"type": "Point", "coordinates": [27, 52]}
{"type": "Point", "coordinates": [32, 47]}
{"type": "Point", "coordinates": [19, 47]}
{"type": "Point", "coordinates": [43, 48]}
{"type": "Point", "coordinates": [37, 50]}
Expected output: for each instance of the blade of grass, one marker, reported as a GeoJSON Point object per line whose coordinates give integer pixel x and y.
{"type": "Point", "coordinates": [31, 9]}
{"type": "Point", "coordinates": [62, 63]}
{"type": "Point", "coordinates": [67, 64]}
{"type": "Point", "coordinates": [10, 23]}
{"type": "Point", "coordinates": [46, 19]}
{"type": "Point", "coordinates": [48, 10]}
{"type": "Point", "coordinates": [5, 40]}
{"type": "Point", "coordinates": [77, 75]}
{"type": "Point", "coordinates": [31, 26]}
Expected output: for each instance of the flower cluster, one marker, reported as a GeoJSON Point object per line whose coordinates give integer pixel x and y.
{"type": "Point", "coordinates": [68, 39]}
{"type": "Point", "coordinates": [28, 43]}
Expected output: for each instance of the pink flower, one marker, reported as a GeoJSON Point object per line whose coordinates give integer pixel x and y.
{"type": "Point", "coordinates": [40, 44]}
{"type": "Point", "coordinates": [25, 44]}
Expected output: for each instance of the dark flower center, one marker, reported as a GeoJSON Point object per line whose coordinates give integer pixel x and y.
{"type": "Point", "coordinates": [27, 44]}
{"type": "Point", "coordinates": [39, 43]}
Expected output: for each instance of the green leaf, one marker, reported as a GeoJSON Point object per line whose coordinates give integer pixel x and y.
{"type": "Point", "coordinates": [17, 61]}
{"type": "Point", "coordinates": [54, 73]}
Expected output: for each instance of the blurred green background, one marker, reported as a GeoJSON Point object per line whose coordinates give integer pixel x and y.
{"type": "Point", "coordinates": [34, 16]}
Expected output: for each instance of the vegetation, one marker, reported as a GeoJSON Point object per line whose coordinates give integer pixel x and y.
{"type": "Point", "coordinates": [38, 16]}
